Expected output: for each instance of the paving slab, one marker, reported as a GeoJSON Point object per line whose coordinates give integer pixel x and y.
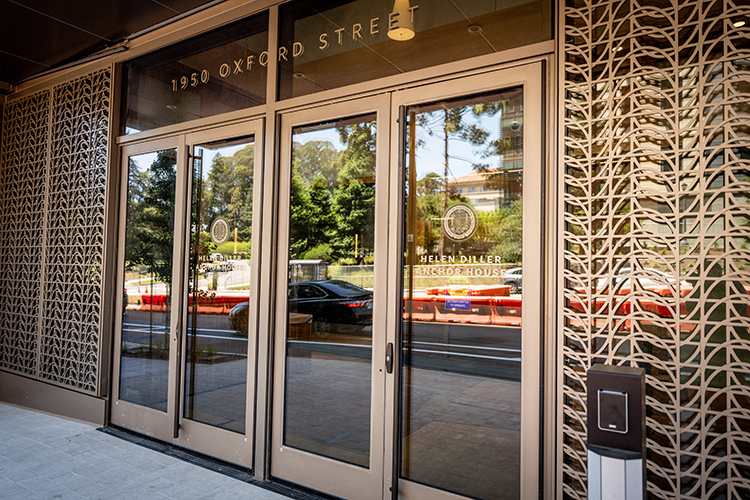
{"type": "Point", "coordinates": [43, 457]}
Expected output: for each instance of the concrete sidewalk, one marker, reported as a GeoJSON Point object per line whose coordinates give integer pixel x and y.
{"type": "Point", "coordinates": [46, 457]}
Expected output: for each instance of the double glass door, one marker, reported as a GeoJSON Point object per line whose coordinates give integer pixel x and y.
{"type": "Point", "coordinates": [408, 306]}
{"type": "Point", "coordinates": [188, 271]}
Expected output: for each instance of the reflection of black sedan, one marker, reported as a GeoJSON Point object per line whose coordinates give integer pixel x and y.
{"type": "Point", "coordinates": [238, 317]}
{"type": "Point", "coordinates": [335, 305]}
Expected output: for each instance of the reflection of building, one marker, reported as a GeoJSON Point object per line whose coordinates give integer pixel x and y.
{"type": "Point", "coordinates": [503, 182]}
{"type": "Point", "coordinates": [489, 191]}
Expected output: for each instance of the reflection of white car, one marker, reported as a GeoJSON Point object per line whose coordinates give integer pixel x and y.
{"type": "Point", "coordinates": [512, 277]}
{"type": "Point", "coordinates": [647, 278]}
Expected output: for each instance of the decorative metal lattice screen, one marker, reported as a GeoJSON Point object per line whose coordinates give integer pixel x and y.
{"type": "Point", "coordinates": [657, 228]}
{"type": "Point", "coordinates": [22, 178]}
{"type": "Point", "coordinates": [52, 329]}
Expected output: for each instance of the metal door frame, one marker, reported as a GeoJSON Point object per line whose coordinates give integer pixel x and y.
{"type": "Point", "coordinates": [172, 426]}
{"type": "Point", "coordinates": [141, 419]}
{"type": "Point", "coordinates": [530, 77]}
{"type": "Point", "coordinates": [292, 464]}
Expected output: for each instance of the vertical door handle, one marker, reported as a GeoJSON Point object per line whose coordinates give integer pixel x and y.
{"type": "Point", "coordinates": [389, 358]}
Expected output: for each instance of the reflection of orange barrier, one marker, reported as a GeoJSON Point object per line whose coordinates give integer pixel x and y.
{"type": "Point", "coordinates": [663, 306]}
{"type": "Point", "coordinates": [478, 310]}
{"type": "Point", "coordinates": [154, 302]}
{"type": "Point", "coordinates": [218, 304]}
{"type": "Point", "coordinates": [422, 308]}
{"type": "Point", "coordinates": [507, 311]}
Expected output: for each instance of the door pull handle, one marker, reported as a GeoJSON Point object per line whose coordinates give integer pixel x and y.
{"type": "Point", "coordinates": [389, 358]}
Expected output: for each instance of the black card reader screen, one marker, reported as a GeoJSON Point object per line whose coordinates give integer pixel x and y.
{"type": "Point", "coordinates": [613, 411]}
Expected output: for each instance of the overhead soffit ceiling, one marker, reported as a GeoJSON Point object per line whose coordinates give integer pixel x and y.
{"type": "Point", "coordinates": [39, 35]}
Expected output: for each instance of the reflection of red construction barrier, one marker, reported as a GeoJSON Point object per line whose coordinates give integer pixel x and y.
{"type": "Point", "coordinates": [218, 304]}
{"type": "Point", "coordinates": [507, 311]}
{"type": "Point", "coordinates": [477, 310]}
{"type": "Point", "coordinates": [658, 300]}
{"type": "Point", "coordinates": [422, 309]}
{"type": "Point", "coordinates": [154, 302]}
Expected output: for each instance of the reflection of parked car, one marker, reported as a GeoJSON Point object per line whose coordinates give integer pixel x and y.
{"type": "Point", "coordinates": [238, 317]}
{"type": "Point", "coordinates": [647, 278]}
{"type": "Point", "coordinates": [512, 277]}
{"type": "Point", "coordinates": [335, 305]}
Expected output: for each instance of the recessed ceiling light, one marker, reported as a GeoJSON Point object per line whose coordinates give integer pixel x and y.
{"type": "Point", "coordinates": [474, 28]}
{"type": "Point", "coordinates": [738, 24]}
{"type": "Point", "coordinates": [299, 75]}
{"type": "Point", "coordinates": [171, 106]}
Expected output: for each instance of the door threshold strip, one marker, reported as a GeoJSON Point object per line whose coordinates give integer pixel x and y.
{"type": "Point", "coordinates": [222, 467]}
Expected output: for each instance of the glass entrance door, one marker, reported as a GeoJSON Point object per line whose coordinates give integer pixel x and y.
{"type": "Point", "coordinates": [468, 411]}
{"type": "Point", "coordinates": [331, 301]}
{"type": "Point", "coordinates": [186, 337]}
{"type": "Point", "coordinates": [409, 293]}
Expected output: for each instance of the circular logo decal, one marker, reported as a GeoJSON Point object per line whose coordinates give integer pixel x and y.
{"type": "Point", "coordinates": [220, 231]}
{"type": "Point", "coordinates": [460, 222]}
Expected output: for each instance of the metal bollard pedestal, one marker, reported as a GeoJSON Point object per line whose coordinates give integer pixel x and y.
{"type": "Point", "coordinates": [616, 432]}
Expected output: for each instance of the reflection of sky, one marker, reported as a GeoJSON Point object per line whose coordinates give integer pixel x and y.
{"type": "Point", "coordinates": [328, 134]}
{"type": "Point", "coordinates": [461, 154]}
{"type": "Point", "coordinates": [429, 154]}
{"type": "Point", "coordinates": [143, 161]}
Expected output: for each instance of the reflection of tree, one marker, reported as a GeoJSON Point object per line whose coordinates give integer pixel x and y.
{"type": "Point", "coordinates": [333, 195]}
{"type": "Point", "coordinates": [316, 158]}
{"type": "Point", "coordinates": [354, 198]}
{"type": "Point", "coordinates": [150, 216]}
{"type": "Point", "coordinates": [453, 123]}
{"type": "Point", "coordinates": [499, 232]}
{"type": "Point", "coordinates": [507, 231]}
{"type": "Point", "coordinates": [300, 209]}
{"type": "Point", "coordinates": [229, 189]}
{"type": "Point", "coordinates": [430, 196]}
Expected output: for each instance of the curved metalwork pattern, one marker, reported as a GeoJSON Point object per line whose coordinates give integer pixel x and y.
{"type": "Point", "coordinates": [74, 237]}
{"type": "Point", "coordinates": [656, 130]}
{"type": "Point", "coordinates": [52, 204]}
{"type": "Point", "coordinates": [22, 177]}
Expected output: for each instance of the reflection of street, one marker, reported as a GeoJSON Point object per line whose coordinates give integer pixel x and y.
{"type": "Point", "coordinates": [215, 366]}
{"type": "Point", "coordinates": [462, 429]}
{"type": "Point", "coordinates": [210, 329]}
{"type": "Point", "coordinates": [462, 394]}
{"type": "Point", "coordinates": [475, 349]}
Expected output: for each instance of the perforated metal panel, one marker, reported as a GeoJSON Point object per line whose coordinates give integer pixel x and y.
{"type": "Point", "coordinates": [656, 131]}
{"type": "Point", "coordinates": [52, 199]}
{"type": "Point", "coordinates": [22, 179]}
{"type": "Point", "coordinates": [74, 237]}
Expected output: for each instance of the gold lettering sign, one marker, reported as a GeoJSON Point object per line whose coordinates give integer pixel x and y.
{"type": "Point", "coordinates": [225, 69]}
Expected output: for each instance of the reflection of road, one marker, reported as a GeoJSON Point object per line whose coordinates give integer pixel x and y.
{"type": "Point", "coordinates": [493, 351]}
{"type": "Point", "coordinates": [484, 350]}
{"type": "Point", "coordinates": [487, 350]}
{"type": "Point", "coordinates": [209, 330]}
{"type": "Point", "coordinates": [461, 399]}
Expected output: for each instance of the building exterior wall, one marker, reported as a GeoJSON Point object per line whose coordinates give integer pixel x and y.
{"type": "Point", "coordinates": [656, 158]}
{"type": "Point", "coordinates": [655, 127]}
